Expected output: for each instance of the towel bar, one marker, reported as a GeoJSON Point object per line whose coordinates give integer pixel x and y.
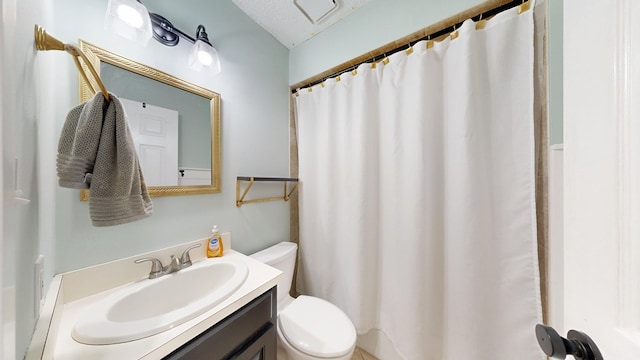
{"type": "Point", "coordinates": [286, 195]}
{"type": "Point", "coordinates": [44, 41]}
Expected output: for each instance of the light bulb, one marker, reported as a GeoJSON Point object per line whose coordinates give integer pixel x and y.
{"type": "Point", "coordinates": [130, 16]}
{"type": "Point", "coordinates": [205, 58]}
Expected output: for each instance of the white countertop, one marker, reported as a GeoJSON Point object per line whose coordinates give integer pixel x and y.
{"type": "Point", "coordinates": [79, 289]}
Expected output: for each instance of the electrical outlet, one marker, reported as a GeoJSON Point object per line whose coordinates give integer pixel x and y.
{"type": "Point", "coordinates": [38, 283]}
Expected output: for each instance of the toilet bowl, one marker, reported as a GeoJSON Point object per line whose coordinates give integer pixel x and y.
{"type": "Point", "coordinates": [309, 328]}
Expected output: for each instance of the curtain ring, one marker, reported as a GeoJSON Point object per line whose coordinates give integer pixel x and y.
{"type": "Point", "coordinates": [481, 23]}
{"type": "Point", "coordinates": [454, 34]}
{"type": "Point", "coordinates": [429, 42]}
{"type": "Point", "coordinates": [386, 59]}
{"type": "Point", "coordinates": [409, 50]}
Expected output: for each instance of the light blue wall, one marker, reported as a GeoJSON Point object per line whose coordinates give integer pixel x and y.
{"type": "Point", "coordinates": [255, 113]}
{"type": "Point", "coordinates": [26, 117]}
{"type": "Point", "coordinates": [555, 71]}
{"type": "Point", "coordinates": [40, 87]}
{"type": "Point", "coordinates": [376, 24]}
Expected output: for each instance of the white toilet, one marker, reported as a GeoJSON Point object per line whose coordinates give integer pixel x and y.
{"type": "Point", "coordinates": [309, 328]}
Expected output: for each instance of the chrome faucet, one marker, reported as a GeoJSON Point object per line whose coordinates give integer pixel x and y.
{"type": "Point", "coordinates": [175, 263]}
{"type": "Point", "coordinates": [185, 259]}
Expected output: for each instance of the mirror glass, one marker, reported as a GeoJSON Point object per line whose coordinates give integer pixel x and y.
{"type": "Point", "coordinates": [174, 123]}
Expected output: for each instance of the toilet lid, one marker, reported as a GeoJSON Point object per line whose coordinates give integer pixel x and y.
{"type": "Point", "coordinates": [317, 327]}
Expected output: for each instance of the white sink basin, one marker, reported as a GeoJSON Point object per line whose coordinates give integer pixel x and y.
{"type": "Point", "coordinates": [150, 306]}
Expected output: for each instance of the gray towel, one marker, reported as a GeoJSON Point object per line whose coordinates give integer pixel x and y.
{"type": "Point", "coordinates": [96, 151]}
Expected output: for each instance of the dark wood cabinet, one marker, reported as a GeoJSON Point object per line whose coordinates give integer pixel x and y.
{"type": "Point", "coordinates": [262, 348]}
{"type": "Point", "coordinates": [247, 334]}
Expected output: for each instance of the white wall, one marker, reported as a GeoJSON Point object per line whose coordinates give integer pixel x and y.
{"type": "Point", "coordinates": [255, 113]}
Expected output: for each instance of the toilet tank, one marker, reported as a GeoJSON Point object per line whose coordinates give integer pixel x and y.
{"type": "Point", "coordinates": [281, 256]}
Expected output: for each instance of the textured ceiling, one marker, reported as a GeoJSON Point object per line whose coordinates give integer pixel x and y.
{"type": "Point", "coordinates": [283, 19]}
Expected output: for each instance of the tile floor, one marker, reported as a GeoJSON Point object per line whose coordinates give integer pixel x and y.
{"type": "Point", "coordinates": [360, 354]}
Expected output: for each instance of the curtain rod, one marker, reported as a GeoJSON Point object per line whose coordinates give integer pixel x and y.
{"type": "Point", "coordinates": [433, 32]}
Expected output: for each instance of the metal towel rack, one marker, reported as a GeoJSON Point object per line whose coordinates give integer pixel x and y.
{"type": "Point", "coordinates": [44, 41]}
{"type": "Point", "coordinates": [286, 195]}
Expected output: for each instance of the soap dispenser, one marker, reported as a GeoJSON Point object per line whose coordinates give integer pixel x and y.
{"type": "Point", "coordinates": [214, 246]}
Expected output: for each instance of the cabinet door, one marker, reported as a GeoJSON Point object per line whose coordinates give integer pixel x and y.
{"type": "Point", "coordinates": [253, 323]}
{"type": "Point", "coordinates": [262, 348]}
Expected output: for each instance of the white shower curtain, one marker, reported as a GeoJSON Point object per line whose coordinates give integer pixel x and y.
{"type": "Point", "coordinates": [417, 213]}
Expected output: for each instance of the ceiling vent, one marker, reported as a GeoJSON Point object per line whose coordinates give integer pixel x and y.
{"type": "Point", "coordinates": [316, 10]}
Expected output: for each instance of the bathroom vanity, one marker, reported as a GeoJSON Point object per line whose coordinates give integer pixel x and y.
{"type": "Point", "coordinates": [242, 326]}
{"type": "Point", "coordinates": [249, 333]}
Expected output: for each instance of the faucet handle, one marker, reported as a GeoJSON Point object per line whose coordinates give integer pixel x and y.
{"type": "Point", "coordinates": [156, 266]}
{"type": "Point", "coordinates": [185, 259]}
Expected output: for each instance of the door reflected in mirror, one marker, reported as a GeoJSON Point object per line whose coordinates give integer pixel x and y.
{"type": "Point", "coordinates": [175, 124]}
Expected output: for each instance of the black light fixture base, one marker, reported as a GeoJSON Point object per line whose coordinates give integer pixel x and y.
{"type": "Point", "coordinates": [201, 34]}
{"type": "Point", "coordinates": [163, 30]}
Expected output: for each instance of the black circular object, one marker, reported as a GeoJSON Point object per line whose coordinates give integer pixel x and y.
{"type": "Point", "coordinates": [577, 344]}
{"type": "Point", "coordinates": [550, 342]}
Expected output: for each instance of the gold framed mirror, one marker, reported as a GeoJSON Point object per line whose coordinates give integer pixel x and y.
{"type": "Point", "coordinates": [127, 72]}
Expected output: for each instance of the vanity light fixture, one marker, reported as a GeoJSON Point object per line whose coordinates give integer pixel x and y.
{"type": "Point", "coordinates": [130, 19]}
{"type": "Point", "coordinates": [143, 24]}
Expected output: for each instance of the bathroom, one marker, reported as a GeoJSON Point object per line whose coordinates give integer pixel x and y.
{"type": "Point", "coordinates": [39, 88]}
